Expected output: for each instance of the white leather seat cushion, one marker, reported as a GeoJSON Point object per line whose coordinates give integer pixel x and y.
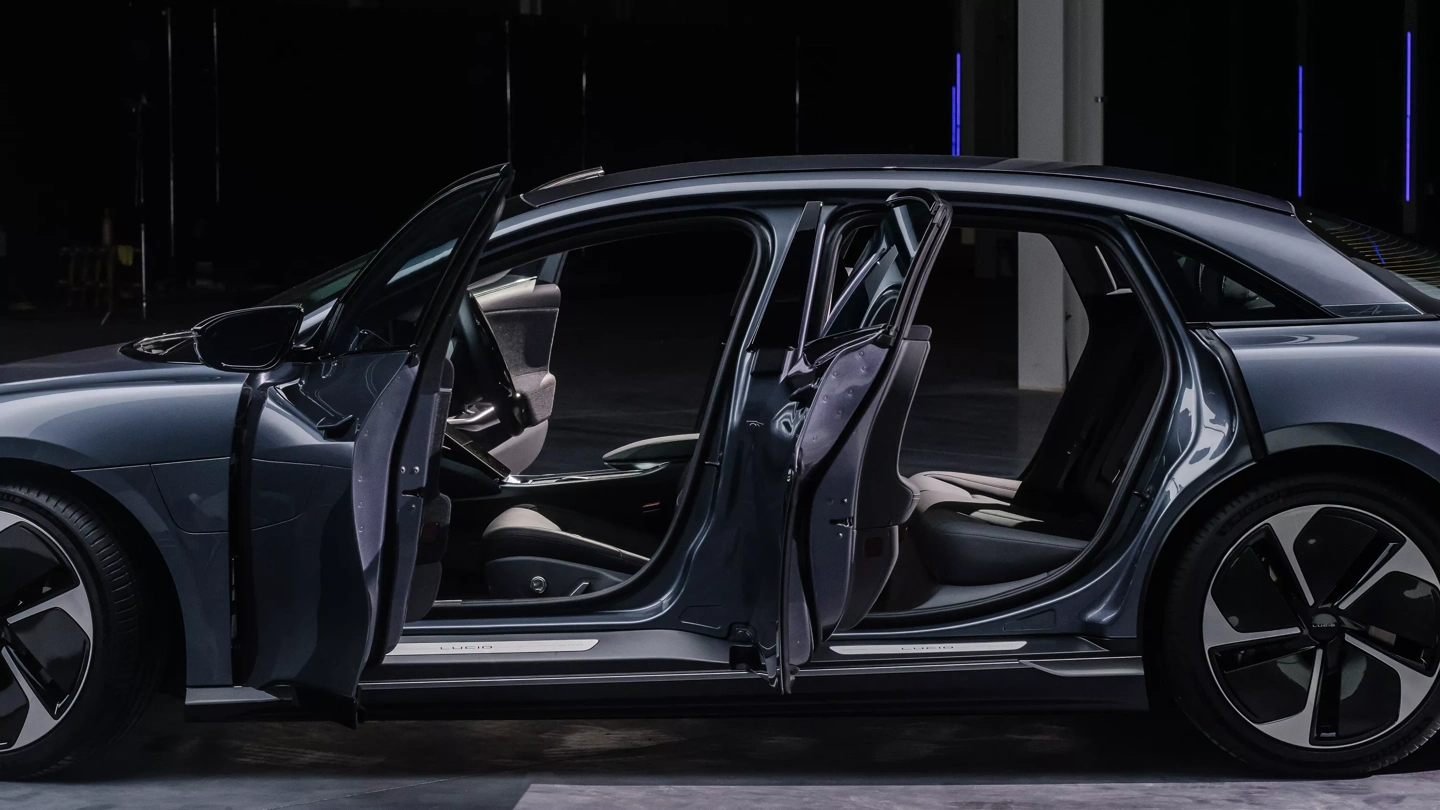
{"type": "Point", "coordinates": [932, 488]}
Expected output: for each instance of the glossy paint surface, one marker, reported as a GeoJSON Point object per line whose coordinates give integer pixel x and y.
{"type": "Point", "coordinates": [1370, 385]}
{"type": "Point", "coordinates": [311, 577]}
{"type": "Point", "coordinates": [99, 408]}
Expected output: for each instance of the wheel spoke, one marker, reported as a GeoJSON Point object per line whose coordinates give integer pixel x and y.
{"type": "Point", "coordinates": [1218, 632]}
{"type": "Point", "coordinates": [1414, 685]}
{"type": "Point", "coordinates": [73, 601]}
{"type": "Point", "coordinates": [1286, 527]}
{"type": "Point", "coordinates": [38, 720]}
{"type": "Point", "coordinates": [30, 563]}
{"type": "Point", "coordinates": [47, 631]}
{"type": "Point", "coordinates": [1329, 691]}
{"type": "Point", "coordinates": [1408, 559]}
{"type": "Point", "coordinates": [1376, 551]}
{"type": "Point", "coordinates": [1406, 649]}
{"type": "Point", "coordinates": [1296, 729]}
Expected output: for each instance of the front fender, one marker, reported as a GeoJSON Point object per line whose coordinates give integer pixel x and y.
{"type": "Point", "coordinates": [199, 566]}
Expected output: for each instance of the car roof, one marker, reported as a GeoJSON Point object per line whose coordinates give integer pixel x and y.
{"type": "Point", "coordinates": [1257, 230]}
{"type": "Point", "coordinates": [868, 163]}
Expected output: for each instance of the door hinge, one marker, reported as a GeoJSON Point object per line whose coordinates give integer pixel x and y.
{"type": "Point", "coordinates": [744, 652]}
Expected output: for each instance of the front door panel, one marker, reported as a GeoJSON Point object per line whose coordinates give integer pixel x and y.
{"type": "Point", "coordinates": [313, 571]}
{"type": "Point", "coordinates": [334, 458]}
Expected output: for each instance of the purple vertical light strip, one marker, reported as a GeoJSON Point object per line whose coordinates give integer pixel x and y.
{"type": "Point", "coordinates": [1407, 116]}
{"type": "Point", "coordinates": [1300, 134]}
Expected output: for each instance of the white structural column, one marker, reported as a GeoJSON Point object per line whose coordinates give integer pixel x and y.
{"type": "Point", "coordinates": [1060, 116]}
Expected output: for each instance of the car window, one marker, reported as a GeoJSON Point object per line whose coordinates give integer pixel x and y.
{"type": "Point", "coordinates": [324, 288]}
{"type": "Point", "coordinates": [872, 284]}
{"type": "Point", "coordinates": [852, 249]}
{"type": "Point", "coordinates": [1209, 287]}
{"type": "Point", "coordinates": [384, 308]}
{"type": "Point", "coordinates": [1416, 266]}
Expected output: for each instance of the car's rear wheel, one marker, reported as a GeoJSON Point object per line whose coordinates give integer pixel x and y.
{"type": "Point", "coordinates": [1302, 629]}
{"type": "Point", "coordinates": [79, 650]}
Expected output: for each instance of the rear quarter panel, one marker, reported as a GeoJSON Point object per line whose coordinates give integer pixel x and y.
{"type": "Point", "coordinates": [1365, 385]}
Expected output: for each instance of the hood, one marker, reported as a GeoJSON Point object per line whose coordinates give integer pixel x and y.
{"type": "Point", "coordinates": [102, 365]}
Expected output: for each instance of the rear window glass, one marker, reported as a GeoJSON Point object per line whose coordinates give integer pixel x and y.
{"type": "Point", "coordinates": [1211, 288]}
{"type": "Point", "coordinates": [1416, 266]}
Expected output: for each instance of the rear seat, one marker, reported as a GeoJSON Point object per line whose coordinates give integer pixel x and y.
{"type": "Point", "coordinates": [973, 529]}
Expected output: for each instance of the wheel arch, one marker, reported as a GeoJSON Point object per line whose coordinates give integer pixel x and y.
{"type": "Point", "coordinates": [1399, 462]}
{"type": "Point", "coordinates": [132, 533]}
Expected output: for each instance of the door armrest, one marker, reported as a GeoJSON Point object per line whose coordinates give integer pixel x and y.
{"type": "Point", "coordinates": [650, 452]}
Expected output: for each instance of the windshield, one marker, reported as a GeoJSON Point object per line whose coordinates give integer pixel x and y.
{"type": "Point", "coordinates": [1416, 266]}
{"type": "Point", "coordinates": [324, 288]}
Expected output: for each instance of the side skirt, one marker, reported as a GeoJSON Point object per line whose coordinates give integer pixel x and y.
{"type": "Point", "coordinates": [658, 673]}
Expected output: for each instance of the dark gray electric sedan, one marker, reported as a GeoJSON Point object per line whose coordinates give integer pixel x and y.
{"type": "Point", "coordinates": [329, 506]}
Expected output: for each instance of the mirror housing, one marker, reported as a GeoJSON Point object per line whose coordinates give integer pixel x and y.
{"type": "Point", "coordinates": [247, 340]}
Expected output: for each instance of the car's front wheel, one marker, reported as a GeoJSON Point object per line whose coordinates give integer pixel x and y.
{"type": "Point", "coordinates": [79, 648]}
{"type": "Point", "coordinates": [1302, 627]}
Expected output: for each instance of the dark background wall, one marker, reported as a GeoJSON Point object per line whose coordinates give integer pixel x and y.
{"type": "Point", "coordinates": [303, 132]}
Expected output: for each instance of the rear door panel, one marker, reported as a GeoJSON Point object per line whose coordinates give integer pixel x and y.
{"type": "Point", "coordinates": [848, 499]}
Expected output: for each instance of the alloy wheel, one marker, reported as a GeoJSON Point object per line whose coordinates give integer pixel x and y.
{"type": "Point", "coordinates": [46, 632]}
{"type": "Point", "coordinates": [1322, 626]}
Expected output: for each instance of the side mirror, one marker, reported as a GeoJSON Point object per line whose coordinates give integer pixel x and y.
{"type": "Point", "coordinates": [248, 339]}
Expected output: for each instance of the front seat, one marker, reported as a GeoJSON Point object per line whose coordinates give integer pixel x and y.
{"type": "Point", "coordinates": [537, 550]}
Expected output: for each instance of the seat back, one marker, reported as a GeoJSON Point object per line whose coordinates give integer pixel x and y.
{"type": "Point", "coordinates": [1080, 461]}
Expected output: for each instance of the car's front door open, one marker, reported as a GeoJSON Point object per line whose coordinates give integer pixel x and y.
{"type": "Point", "coordinates": [855, 380]}
{"type": "Point", "coordinates": [332, 475]}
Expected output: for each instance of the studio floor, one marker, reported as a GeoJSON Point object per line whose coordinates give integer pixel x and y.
{"type": "Point", "coordinates": [1077, 762]}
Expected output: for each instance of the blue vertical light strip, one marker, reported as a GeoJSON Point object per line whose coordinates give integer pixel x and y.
{"type": "Point", "coordinates": [955, 110]}
{"type": "Point", "coordinates": [1300, 134]}
{"type": "Point", "coordinates": [1407, 116]}
{"type": "Point", "coordinates": [954, 120]}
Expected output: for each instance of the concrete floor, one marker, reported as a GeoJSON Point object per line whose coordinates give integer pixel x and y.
{"type": "Point", "coordinates": [1114, 762]}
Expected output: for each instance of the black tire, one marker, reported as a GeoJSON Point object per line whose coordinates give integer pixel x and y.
{"type": "Point", "coordinates": [128, 637]}
{"type": "Point", "coordinates": [1243, 528]}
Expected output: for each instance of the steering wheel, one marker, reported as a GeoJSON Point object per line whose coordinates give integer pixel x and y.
{"type": "Point", "coordinates": [492, 383]}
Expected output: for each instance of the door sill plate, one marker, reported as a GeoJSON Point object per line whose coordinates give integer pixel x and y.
{"type": "Point", "coordinates": [410, 649]}
{"type": "Point", "coordinates": [921, 648]}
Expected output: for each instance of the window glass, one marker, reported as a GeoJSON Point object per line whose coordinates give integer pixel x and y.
{"type": "Point", "coordinates": [324, 288]}
{"type": "Point", "coordinates": [1418, 267]}
{"type": "Point", "coordinates": [873, 284]}
{"type": "Point", "coordinates": [384, 308]}
{"type": "Point", "coordinates": [1210, 288]}
{"type": "Point", "coordinates": [642, 324]}
{"type": "Point", "coordinates": [853, 245]}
